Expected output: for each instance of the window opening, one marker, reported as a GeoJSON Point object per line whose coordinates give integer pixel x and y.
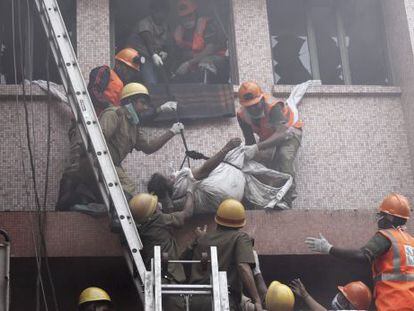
{"type": "Point", "coordinates": [34, 45]}
{"type": "Point", "coordinates": [337, 42]}
{"type": "Point", "coordinates": [185, 31]}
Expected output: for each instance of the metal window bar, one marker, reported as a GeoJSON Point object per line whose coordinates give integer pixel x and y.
{"type": "Point", "coordinates": [91, 132]}
{"type": "Point", "coordinates": [313, 49]}
{"type": "Point", "coordinates": [343, 49]}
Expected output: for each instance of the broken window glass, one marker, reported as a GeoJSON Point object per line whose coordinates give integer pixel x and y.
{"type": "Point", "coordinates": [337, 42]}
{"type": "Point", "coordinates": [289, 40]}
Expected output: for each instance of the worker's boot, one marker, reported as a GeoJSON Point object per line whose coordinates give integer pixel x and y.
{"type": "Point", "coordinates": [66, 193]}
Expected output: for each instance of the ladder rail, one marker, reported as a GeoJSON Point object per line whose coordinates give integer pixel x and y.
{"type": "Point", "coordinates": [88, 125]}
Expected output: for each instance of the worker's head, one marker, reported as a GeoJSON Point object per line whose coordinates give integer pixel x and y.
{"type": "Point", "coordinates": [94, 299]}
{"type": "Point", "coordinates": [231, 214]}
{"type": "Point", "coordinates": [187, 11]}
{"type": "Point", "coordinates": [251, 97]}
{"type": "Point", "coordinates": [160, 185]}
{"type": "Point", "coordinates": [353, 296]}
{"type": "Point", "coordinates": [143, 205]}
{"type": "Point", "coordinates": [136, 95]}
{"type": "Point", "coordinates": [279, 297]}
{"type": "Point", "coordinates": [127, 64]}
{"type": "Point", "coordinates": [159, 10]}
{"type": "Point", "coordinates": [394, 211]}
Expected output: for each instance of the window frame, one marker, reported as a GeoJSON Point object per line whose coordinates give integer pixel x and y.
{"type": "Point", "coordinates": [343, 50]}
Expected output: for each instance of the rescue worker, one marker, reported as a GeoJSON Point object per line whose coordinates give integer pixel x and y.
{"type": "Point", "coordinates": [235, 256]}
{"type": "Point", "coordinates": [246, 302]}
{"type": "Point", "coordinates": [277, 127]}
{"type": "Point", "coordinates": [390, 252]}
{"type": "Point", "coordinates": [352, 296]}
{"type": "Point", "coordinates": [152, 38]}
{"type": "Point", "coordinates": [202, 45]}
{"type": "Point", "coordinates": [95, 299]}
{"type": "Point", "coordinates": [121, 128]}
{"type": "Point", "coordinates": [105, 86]}
{"type": "Point", "coordinates": [279, 297]}
{"type": "Point", "coordinates": [156, 228]}
{"type": "Point", "coordinates": [171, 196]}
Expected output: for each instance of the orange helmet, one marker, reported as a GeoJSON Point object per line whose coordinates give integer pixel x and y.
{"type": "Point", "coordinates": [186, 7]}
{"type": "Point", "coordinates": [250, 94]}
{"type": "Point", "coordinates": [358, 294]}
{"type": "Point", "coordinates": [396, 205]}
{"type": "Point", "coordinates": [129, 57]}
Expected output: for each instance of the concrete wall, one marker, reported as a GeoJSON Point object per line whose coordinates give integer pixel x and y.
{"type": "Point", "coordinates": [355, 147]}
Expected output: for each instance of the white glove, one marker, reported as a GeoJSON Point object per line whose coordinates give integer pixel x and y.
{"type": "Point", "coordinates": [177, 128]}
{"type": "Point", "coordinates": [320, 245]}
{"type": "Point", "coordinates": [169, 107]}
{"type": "Point", "coordinates": [256, 269]}
{"type": "Point", "coordinates": [163, 55]}
{"type": "Point", "coordinates": [250, 151]}
{"type": "Point", "coordinates": [157, 60]}
{"type": "Point", "coordinates": [183, 69]}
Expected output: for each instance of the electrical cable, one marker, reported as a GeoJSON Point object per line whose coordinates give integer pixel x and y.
{"type": "Point", "coordinates": [41, 242]}
{"type": "Point", "coordinates": [41, 286]}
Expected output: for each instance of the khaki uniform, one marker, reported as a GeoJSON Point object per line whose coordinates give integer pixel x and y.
{"type": "Point", "coordinates": [158, 230]}
{"type": "Point", "coordinates": [233, 247]}
{"type": "Point", "coordinates": [122, 137]}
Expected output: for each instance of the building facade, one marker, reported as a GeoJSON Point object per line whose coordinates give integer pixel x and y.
{"type": "Point", "coordinates": [358, 145]}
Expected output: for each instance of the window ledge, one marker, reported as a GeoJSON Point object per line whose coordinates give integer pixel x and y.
{"type": "Point", "coordinates": [342, 90]}
{"type": "Point", "coordinates": [13, 90]}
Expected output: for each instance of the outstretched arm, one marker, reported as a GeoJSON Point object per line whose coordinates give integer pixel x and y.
{"type": "Point", "coordinates": [208, 166]}
{"type": "Point", "coordinates": [186, 213]}
{"type": "Point", "coordinates": [299, 289]}
{"type": "Point", "coordinates": [281, 133]}
{"type": "Point", "coordinates": [155, 144]}
{"type": "Point", "coordinates": [246, 276]}
{"type": "Point", "coordinates": [321, 245]}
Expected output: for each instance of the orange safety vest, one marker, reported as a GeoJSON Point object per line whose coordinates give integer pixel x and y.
{"type": "Point", "coordinates": [393, 273]}
{"type": "Point", "coordinates": [113, 91]}
{"type": "Point", "coordinates": [198, 44]}
{"type": "Point", "coordinates": [264, 129]}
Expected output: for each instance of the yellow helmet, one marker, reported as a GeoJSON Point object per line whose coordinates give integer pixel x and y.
{"type": "Point", "coordinates": [279, 297]}
{"type": "Point", "coordinates": [93, 294]}
{"type": "Point", "coordinates": [132, 89]}
{"type": "Point", "coordinates": [231, 213]}
{"type": "Point", "coordinates": [143, 205]}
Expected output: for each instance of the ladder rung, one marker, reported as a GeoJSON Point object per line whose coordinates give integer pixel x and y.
{"type": "Point", "coordinates": [184, 261]}
{"type": "Point", "coordinates": [186, 286]}
{"type": "Point", "coordinates": [186, 292]}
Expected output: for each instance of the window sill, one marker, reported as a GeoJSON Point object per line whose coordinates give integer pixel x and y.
{"type": "Point", "coordinates": [12, 90]}
{"type": "Point", "coordinates": [342, 90]}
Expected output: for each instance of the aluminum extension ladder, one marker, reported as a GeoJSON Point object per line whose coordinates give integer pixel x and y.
{"type": "Point", "coordinates": [103, 167]}
{"type": "Point", "coordinates": [4, 272]}
{"type": "Point", "coordinates": [155, 289]}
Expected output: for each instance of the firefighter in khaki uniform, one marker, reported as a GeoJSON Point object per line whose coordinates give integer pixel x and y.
{"type": "Point", "coordinates": [390, 252]}
{"type": "Point", "coordinates": [278, 127]}
{"type": "Point", "coordinates": [156, 228]}
{"type": "Point", "coordinates": [235, 255]}
{"type": "Point", "coordinates": [121, 127]}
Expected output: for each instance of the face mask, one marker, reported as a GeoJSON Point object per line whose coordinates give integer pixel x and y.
{"type": "Point", "coordinates": [134, 116]}
{"type": "Point", "coordinates": [336, 305]}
